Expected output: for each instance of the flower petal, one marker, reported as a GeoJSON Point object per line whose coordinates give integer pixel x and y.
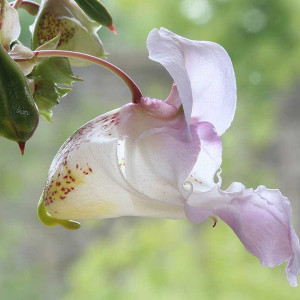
{"type": "Point", "coordinates": [10, 25]}
{"type": "Point", "coordinates": [85, 180]}
{"type": "Point", "coordinates": [23, 57]}
{"type": "Point", "coordinates": [203, 74]}
{"type": "Point", "coordinates": [157, 164]}
{"type": "Point", "coordinates": [158, 108]}
{"type": "Point", "coordinates": [77, 32]}
{"type": "Point", "coordinates": [209, 159]}
{"type": "Point", "coordinates": [159, 159]}
{"type": "Point", "coordinates": [261, 219]}
{"type": "Point", "coordinates": [173, 97]}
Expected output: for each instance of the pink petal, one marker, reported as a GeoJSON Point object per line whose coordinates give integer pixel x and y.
{"type": "Point", "coordinates": [157, 157]}
{"type": "Point", "coordinates": [158, 108]}
{"type": "Point", "coordinates": [261, 219]}
{"type": "Point", "coordinates": [173, 97]}
{"type": "Point", "coordinates": [209, 160]}
{"type": "Point", "coordinates": [203, 74]}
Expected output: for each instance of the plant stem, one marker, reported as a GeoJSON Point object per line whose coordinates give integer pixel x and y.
{"type": "Point", "coordinates": [17, 3]}
{"type": "Point", "coordinates": [30, 6]}
{"type": "Point", "coordinates": [135, 91]}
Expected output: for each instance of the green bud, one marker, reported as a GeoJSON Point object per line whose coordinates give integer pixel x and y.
{"type": "Point", "coordinates": [97, 12]}
{"type": "Point", "coordinates": [18, 113]}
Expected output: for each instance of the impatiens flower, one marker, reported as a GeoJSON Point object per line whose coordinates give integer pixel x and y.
{"type": "Point", "coordinates": [77, 31]}
{"type": "Point", "coordinates": [159, 158]}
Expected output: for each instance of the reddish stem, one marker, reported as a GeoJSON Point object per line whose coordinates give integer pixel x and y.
{"type": "Point", "coordinates": [135, 91]}
{"type": "Point", "coordinates": [17, 3]}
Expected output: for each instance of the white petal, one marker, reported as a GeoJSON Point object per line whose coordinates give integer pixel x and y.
{"type": "Point", "coordinates": [158, 163]}
{"type": "Point", "coordinates": [10, 25]}
{"type": "Point", "coordinates": [203, 74]}
{"type": "Point", "coordinates": [85, 180]}
{"type": "Point", "coordinates": [24, 58]}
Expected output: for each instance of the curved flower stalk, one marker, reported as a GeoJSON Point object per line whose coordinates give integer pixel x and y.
{"type": "Point", "coordinates": [159, 158]}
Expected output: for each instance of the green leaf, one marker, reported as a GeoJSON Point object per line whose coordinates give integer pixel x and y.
{"type": "Point", "coordinates": [96, 11]}
{"type": "Point", "coordinates": [55, 69]}
{"type": "Point", "coordinates": [47, 95]}
{"type": "Point", "coordinates": [48, 74]}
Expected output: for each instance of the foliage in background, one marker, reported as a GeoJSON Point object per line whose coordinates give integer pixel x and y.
{"type": "Point", "coordinates": [172, 260]}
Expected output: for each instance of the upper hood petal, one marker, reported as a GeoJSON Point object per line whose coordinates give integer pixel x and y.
{"type": "Point", "coordinates": [203, 74]}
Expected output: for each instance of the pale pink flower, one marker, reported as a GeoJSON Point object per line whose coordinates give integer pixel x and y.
{"type": "Point", "coordinates": [156, 159]}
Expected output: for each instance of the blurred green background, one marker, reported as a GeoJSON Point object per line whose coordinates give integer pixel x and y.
{"type": "Point", "coordinates": [131, 258]}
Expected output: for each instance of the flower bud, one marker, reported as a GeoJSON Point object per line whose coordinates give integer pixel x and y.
{"type": "Point", "coordinates": [18, 112]}
{"type": "Point", "coordinates": [77, 31]}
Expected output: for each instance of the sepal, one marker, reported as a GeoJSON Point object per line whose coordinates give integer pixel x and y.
{"type": "Point", "coordinates": [24, 58]}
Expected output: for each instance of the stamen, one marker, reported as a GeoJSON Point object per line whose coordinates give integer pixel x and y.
{"type": "Point", "coordinates": [215, 219]}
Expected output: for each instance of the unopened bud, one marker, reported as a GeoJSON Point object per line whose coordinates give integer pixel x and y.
{"type": "Point", "coordinates": [97, 12]}
{"type": "Point", "coordinates": [18, 113]}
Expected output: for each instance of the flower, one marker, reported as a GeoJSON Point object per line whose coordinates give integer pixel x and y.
{"type": "Point", "coordinates": [159, 158]}
{"type": "Point", "coordinates": [68, 21]}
